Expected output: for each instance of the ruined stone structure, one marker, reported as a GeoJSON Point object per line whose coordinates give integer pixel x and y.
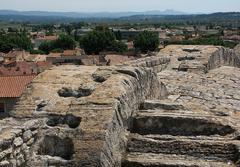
{"type": "Point", "coordinates": [179, 108]}
{"type": "Point", "coordinates": [197, 124]}
{"type": "Point", "coordinates": [237, 49]}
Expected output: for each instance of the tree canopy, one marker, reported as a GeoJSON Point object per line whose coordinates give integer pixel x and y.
{"type": "Point", "coordinates": [14, 41]}
{"type": "Point", "coordinates": [62, 43]}
{"type": "Point", "coordinates": [206, 40]}
{"type": "Point", "coordinates": [146, 41]}
{"type": "Point", "coordinates": [101, 39]}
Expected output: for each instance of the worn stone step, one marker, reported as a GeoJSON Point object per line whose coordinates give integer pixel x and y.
{"type": "Point", "coordinates": [164, 160]}
{"type": "Point", "coordinates": [197, 138]}
{"type": "Point", "coordinates": [221, 150]}
{"type": "Point", "coordinates": [161, 104]}
{"type": "Point", "coordinates": [175, 112]}
{"type": "Point", "coordinates": [180, 124]}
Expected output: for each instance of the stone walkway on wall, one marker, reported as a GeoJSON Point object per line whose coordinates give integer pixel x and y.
{"type": "Point", "coordinates": [198, 124]}
{"type": "Point", "coordinates": [214, 91]}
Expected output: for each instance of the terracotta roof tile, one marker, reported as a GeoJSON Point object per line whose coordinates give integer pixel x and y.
{"type": "Point", "coordinates": [20, 68]}
{"type": "Point", "coordinates": [13, 86]}
{"type": "Point", "coordinates": [44, 64]}
{"type": "Point", "coordinates": [24, 68]}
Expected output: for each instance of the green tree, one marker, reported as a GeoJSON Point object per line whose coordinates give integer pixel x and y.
{"type": "Point", "coordinates": [118, 35]}
{"type": "Point", "coordinates": [62, 43]}
{"type": "Point", "coordinates": [14, 41]}
{"type": "Point", "coordinates": [119, 46]}
{"type": "Point", "coordinates": [146, 41]}
{"type": "Point", "coordinates": [100, 39]}
{"type": "Point", "coordinates": [37, 52]}
{"type": "Point", "coordinates": [12, 30]}
{"type": "Point", "coordinates": [68, 29]}
{"type": "Point", "coordinates": [46, 46]}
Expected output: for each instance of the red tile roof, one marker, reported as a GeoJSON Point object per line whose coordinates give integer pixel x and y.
{"type": "Point", "coordinates": [44, 64]}
{"type": "Point", "coordinates": [20, 68]}
{"type": "Point", "coordinates": [13, 86]}
{"type": "Point", "coordinates": [24, 68]}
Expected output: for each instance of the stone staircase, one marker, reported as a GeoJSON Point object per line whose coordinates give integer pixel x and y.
{"type": "Point", "coordinates": [165, 134]}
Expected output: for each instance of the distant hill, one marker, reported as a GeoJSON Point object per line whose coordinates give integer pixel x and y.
{"type": "Point", "coordinates": [229, 19]}
{"type": "Point", "coordinates": [213, 16]}
{"type": "Point", "coordinates": [88, 15]}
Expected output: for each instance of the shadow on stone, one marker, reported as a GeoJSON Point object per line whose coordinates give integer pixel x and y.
{"type": "Point", "coordinates": [186, 58]}
{"type": "Point", "coordinates": [41, 105]}
{"type": "Point", "coordinates": [191, 50]}
{"type": "Point", "coordinates": [71, 120]}
{"type": "Point", "coordinates": [179, 126]}
{"type": "Point", "coordinates": [128, 72]}
{"type": "Point", "coordinates": [99, 78]}
{"type": "Point", "coordinates": [183, 67]}
{"type": "Point", "coordinates": [69, 92]}
{"type": "Point", "coordinates": [55, 146]}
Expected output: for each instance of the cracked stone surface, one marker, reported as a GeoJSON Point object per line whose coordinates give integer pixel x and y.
{"type": "Point", "coordinates": [215, 92]}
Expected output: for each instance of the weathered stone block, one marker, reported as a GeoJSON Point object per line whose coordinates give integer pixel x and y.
{"type": "Point", "coordinates": [18, 141]}
{"type": "Point", "coordinates": [27, 135]}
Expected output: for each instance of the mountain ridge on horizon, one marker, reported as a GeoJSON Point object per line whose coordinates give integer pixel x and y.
{"type": "Point", "coordinates": [134, 17]}
{"type": "Point", "coordinates": [103, 14]}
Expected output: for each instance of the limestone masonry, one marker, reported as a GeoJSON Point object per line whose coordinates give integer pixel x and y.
{"type": "Point", "coordinates": [180, 108]}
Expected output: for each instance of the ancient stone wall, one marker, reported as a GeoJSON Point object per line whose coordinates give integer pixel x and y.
{"type": "Point", "coordinates": [200, 117]}
{"type": "Point", "coordinates": [80, 114]}
{"type": "Point", "coordinates": [199, 58]}
{"type": "Point", "coordinates": [156, 63]}
{"type": "Point", "coordinates": [16, 139]}
{"type": "Point", "coordinates": [223, 57]}
{"type": "Point", "coordinates": [237, 49]}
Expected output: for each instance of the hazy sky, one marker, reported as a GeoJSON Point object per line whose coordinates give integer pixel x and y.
{"type": "Point", "coordinates": [122, 5]}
